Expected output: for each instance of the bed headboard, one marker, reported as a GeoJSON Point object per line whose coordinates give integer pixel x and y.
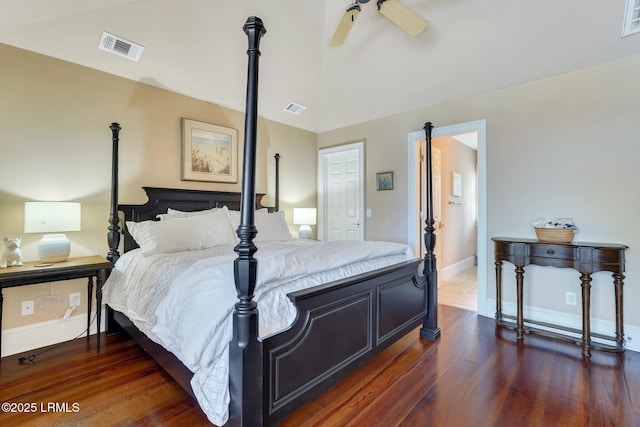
{"type": "Point", "coordinates": [181, 199]}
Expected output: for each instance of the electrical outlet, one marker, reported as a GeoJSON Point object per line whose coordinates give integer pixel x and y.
{"type": "Point", "coordinates": [570, 298]}
{"type": "Point", "coordinates": [27, 308]}
{"type": "Point", "coordinates": [74, 299]}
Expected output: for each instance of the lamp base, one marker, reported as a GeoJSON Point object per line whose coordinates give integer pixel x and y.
{"type": "Point", "coordinates": [54, 248]}
{"type": "Point", "coordinates": [304, 232]}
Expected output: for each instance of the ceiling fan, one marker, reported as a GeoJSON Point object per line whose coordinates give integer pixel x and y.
{"type": "Point", "coordinates": [398, 13]}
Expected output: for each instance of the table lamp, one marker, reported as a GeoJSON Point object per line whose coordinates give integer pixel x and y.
{"type": "Point", "coordinates": [52, 217]}
{"type": "Point", "coordinates": [304, 217]}
{"type": "Point", "coordinates": [268, 202]}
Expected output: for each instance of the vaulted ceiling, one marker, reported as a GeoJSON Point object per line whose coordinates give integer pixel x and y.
{"type": "Point", "coordinates": [197, 48]}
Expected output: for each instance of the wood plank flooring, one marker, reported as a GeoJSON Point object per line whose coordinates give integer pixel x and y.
{"type": "Point", "coordinates": [475, 375]}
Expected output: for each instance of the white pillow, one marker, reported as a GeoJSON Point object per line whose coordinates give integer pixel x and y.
{"type": "Point", "coordinates": [234, 217]}
{"type": "Point", "coordinates": [272, 227]}
{"type": "Point", "coordinates": [174, 213]}
{"type": "Point", "coordinates": [182, 234]}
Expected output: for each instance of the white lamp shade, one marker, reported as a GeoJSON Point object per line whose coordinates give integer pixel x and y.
{"type": "Point", "coordinates": [268, 201]}
{"type": "Point", "coordinates": [304, 216]}
{"type": "Point", "coordinates": [46, 217]}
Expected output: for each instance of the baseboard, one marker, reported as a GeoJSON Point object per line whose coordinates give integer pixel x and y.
{"type": "Point", "coordinates": [458, 267]}
{"type": "Point", "coordinates": [37, 335]}
{"type": "Point", "coordinates": [607, 327]}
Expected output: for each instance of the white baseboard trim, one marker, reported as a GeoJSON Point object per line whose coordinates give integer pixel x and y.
{"type": "Point", "coordinates": [607, 327]}
{"type": "Point", "coordinates": [458, 267]}
{"type": "Point", "coordinates": [37, 335]}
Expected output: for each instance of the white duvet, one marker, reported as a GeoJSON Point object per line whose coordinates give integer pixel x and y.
{"type": "Point", "coordinates": [185, 301]}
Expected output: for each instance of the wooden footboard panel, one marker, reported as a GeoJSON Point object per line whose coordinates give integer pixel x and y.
{"type": "Point", "coordinates": [339, 327]}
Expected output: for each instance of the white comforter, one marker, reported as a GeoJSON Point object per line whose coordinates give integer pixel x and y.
{"type": "Point", "coordinates": [187, 305]}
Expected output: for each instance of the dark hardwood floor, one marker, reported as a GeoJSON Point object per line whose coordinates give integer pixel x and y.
{"type": "Point", "coordinates": [476, 375]}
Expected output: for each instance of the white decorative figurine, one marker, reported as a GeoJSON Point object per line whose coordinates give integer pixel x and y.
{"type": "Point", "coordinates": [11, 254]}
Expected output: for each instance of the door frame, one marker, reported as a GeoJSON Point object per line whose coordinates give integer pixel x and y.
{"type": "Point", "coordinates": [480, 127]}
{"type": "Point", "coordinates": [322, 213]}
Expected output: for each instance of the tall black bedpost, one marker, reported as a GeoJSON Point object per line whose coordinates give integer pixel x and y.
{"type": "Point", "coordinates": [113, 236]}
{"type": "Point", "coordinates": [277, 157]}
{"type": "Point", "coordinates": [430, 329]}
{"type": "Point", "coordinates": [245, 351]}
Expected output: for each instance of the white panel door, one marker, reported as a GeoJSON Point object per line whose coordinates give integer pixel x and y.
{"type": "Point", "coordinates": [343, 210]}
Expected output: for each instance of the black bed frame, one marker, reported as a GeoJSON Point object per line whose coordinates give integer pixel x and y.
{"type": "Point", "coordinates": [339, 326]}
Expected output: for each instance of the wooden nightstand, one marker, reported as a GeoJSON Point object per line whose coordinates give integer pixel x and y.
{"type": "Point", "coordinates": [73, 268]}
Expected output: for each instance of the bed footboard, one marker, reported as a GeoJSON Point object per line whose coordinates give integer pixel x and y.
{"type": "Point", "coordinates": [339, 327]}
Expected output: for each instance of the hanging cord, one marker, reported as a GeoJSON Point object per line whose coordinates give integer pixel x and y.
{"type": "Point", "coordinates": [32, 358]}
{"type": "Point", "coordinates": [55, 298]}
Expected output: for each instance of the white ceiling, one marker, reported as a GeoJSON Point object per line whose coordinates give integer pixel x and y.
{"type": "Point", "coordinates": [198, 48]}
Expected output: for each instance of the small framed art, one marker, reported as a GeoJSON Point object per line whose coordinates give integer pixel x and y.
{"type": "Point", "coordinates": [384, 181]}
{"type": "Point", "coordinates": [209, 152]}
{"type": "Point", "coordinates": [456, 184]}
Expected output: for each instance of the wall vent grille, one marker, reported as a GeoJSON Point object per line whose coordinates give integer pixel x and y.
{"type": "Point", "coordinates": [120, 46]}
{"type": "Point", "coordinates": [631, 18]}
{"type": "Point", "coordinates": [294, 108]}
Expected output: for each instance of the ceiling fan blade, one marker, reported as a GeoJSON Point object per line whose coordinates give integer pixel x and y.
{"type": "Point", "coordinates": [345, 25]}
{"type": "Point", "coordinates": [402, 16]}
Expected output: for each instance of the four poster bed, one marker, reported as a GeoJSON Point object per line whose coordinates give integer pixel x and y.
{"type": "Point", "coordinates": [333, 311]}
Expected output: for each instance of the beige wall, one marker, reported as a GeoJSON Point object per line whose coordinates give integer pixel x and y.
{"type": "Point", "coordinates": [56, 145]}
{"type": "Point", "coordinates": [561, 146]}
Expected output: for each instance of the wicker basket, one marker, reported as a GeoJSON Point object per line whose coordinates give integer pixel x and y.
{"type": "Point", "coordinates": [555, 235]}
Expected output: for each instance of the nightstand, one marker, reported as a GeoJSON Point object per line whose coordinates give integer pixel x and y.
{"type": "Point", "coordinates": [73, 268]}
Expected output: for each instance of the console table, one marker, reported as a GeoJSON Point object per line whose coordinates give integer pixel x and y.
{"type": "Point", "coordinates": [89, 267]}
{"type": "Point", "coordinates": [586, 258]}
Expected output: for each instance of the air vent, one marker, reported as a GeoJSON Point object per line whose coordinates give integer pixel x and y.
{"type": "Point", "coordinates": [294, 108]}
{"type": "Point", "coordinates": [120, 46]}
{"type": "Point", "coordinates": [631, 18]}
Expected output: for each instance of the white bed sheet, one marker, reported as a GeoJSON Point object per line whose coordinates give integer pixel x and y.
{"type": "Point", "coordinates": [160, 300]}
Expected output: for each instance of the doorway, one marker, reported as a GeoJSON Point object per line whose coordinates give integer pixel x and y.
{"type": "Point", "coordinates": [478, 128]}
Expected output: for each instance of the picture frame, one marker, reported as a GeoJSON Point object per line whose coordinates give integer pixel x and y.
{"type": "Point", "coordinates": [209, 152]}
{"type": "Point", "coordinates": [384, 181]}
{"type": "Point", "coordinates": [456, 184]}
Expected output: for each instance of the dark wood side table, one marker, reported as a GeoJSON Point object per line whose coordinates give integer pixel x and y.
{"type": "Point", "coordinates": [586, 258]}
{"type": "Point", "coordinates": [73, 268]}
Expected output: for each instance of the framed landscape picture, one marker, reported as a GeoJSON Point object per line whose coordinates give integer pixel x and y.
{"type": "Point", "coordinates": [209, 152]}
{"type": "Point", "coordinates": [384, 181]}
